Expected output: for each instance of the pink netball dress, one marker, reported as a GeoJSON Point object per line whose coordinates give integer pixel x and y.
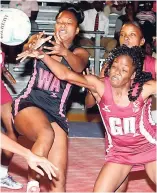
{"type": "Point", "coordinates": [130, 130]}
{"type": "Point", "coordinates": [5, 96]}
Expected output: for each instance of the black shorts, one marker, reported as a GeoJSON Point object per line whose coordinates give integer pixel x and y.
{"type": "Point", "coordinates": [62, 122]}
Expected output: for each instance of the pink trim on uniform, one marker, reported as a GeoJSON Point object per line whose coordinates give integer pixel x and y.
{"type": "Point", "coordinates": [63, 99]}
{"type": "Point", "coordinates": [28, 90]}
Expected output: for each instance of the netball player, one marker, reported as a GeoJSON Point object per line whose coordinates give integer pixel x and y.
{"type": "Point", "coordinates": [130, 129]}
{"type": "Point", "coordinates": [40, 110]}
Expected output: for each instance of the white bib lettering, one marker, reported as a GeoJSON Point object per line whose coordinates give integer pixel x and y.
{"type": "Point", "coordinates": [122, 126]}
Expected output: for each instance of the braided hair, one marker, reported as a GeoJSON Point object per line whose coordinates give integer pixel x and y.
{"type": "Point", "coordinates": [78, 12]}
{"type": "Point", "coordinates": [137, 56]}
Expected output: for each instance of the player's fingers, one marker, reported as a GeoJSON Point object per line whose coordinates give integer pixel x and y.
{"type": "Point", "coordinates": [19, 57]}
{"type": "Point", "coordinates": [58, 37]}
{"type": "Point", "coordinates": [52, 52]}
{"type": "Point", "coordinates": [23, 58]}
{"type": "Point", "coordinates": [48, 48]}
{"type": "Point", "coordinates": [47, 38]}
{"type": "Point", "coordinates": [47, 170]}
{"type": "Point", "coordinates": [53, 42]}
{"type": "Point", "coordinates": [38, 171]}
{"type": "Point", "coordinates": [21, 54]}
{"type": "Point", "coordinates": [41, 34]}
{"type": "Point", "coordinates": [87, 71]}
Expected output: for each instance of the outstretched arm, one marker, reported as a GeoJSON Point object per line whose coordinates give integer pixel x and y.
{"type": "Point", "coordinates": [62, 72]}
{"type": "Point", "coordinates": [33, 160]}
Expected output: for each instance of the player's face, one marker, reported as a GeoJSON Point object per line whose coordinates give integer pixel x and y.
{"type": "Point", "coordinates": [66, 26]}
{"type": "Point", "coordinates": [122, 71]}
{"type": "Point", "coordinates": [130, 35]}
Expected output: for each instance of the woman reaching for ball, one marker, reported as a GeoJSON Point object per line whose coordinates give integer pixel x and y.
{"type": "Point", "coordinates": [40, 110]}
{"type": "Point", "coordinates": [130, 130]}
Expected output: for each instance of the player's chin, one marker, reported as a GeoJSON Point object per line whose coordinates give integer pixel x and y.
{"type": "Point", "coordinates": [115, 83]}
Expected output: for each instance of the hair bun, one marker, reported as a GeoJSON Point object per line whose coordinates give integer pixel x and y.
{"type": "Point", "coordinates": [78, 12]}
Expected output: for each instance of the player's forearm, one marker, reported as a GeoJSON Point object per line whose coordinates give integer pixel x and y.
{"type": "Point", "coordinates": [76, 63]}
{"type": "Point", "coordinates": [12, 146]}
{"type": "Point", "coordinates": [63, 73]}
{"type": "Point", "coordinates": [56, 67]}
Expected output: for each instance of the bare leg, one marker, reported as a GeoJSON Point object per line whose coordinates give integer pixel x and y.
{"type": "Point", "coordinates": [123, 186]}
{"type": "Point", "coordinates": [151, 170]}
{"type": "Point", "coordinates": [33, 123]}
{"type": "Point", "coordinates": [111, 176]}
{"type": "Point", "coordinates": [58, 155]}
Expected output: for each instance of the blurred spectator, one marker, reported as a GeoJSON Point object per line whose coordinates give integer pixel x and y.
{"type": "Point", "coordinates": [118, 7]}
{"type": "Point", "coordinates": [147, 21]}
{"type": "Point", "coordinates": [95, 20]}
{"type": "Point", "coordinates": [147, 14]}
{"type": "Point", "coordinates": [107, 8]}
{"type": "Point", "coordinates": [84, 5]}
{"type": "Point", "coordinates": [128, 17]}
{"type": "Point", "coordinates": [30, 8]}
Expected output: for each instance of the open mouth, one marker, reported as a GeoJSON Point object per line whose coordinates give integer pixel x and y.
{"type": "Point", "coordinates": [114, 78]}
{"type": "Point", "coordinates": [62, 32]}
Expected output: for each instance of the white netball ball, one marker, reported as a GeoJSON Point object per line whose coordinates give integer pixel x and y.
{"type": "Point", "coordinates": [15, 26]}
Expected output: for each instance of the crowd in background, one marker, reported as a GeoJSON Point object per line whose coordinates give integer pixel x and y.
{"type": "Point", "coordinates": [97, 13]}
{"type": "Point", "coordinates": [141, 12]}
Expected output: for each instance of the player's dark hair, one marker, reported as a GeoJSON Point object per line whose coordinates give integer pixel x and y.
{"type": "Point", "coordinates": [137, 56]}
{"type": "Point", "coordinates": [78, 12]}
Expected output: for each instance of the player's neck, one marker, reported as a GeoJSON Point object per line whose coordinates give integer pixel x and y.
{"type": "Point", "coordinates": [123, 90]}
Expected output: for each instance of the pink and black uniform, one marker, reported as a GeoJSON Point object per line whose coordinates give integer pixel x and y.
{"type": "Point", "coordinates": [45, 91]}
{"type": "Point", "coordinates": [130, 130]}
{"type": "Point", "coordinates": [5, 96]}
